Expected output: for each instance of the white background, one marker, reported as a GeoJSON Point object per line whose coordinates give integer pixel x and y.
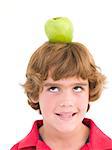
{"type": "Point", "coordinates": [22, 32]}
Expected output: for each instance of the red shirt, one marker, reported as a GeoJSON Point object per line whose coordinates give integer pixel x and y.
{"type": "Point", "coordinates": [97, 139]}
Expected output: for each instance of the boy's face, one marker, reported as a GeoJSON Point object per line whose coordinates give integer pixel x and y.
{"type": "Point", "coordinates": [63, 103]}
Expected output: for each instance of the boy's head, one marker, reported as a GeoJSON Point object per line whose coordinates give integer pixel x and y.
{"type": "Point", "coordinates": [61, 60]}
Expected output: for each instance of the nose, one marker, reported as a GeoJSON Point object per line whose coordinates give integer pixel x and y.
{"type": "Point", "coordinates": [66, 105]}
{"type": "Point", "coordinates": [68, 99]}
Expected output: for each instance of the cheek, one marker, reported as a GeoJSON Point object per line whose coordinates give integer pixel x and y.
{"type": "Point", "coordinates": [83, 102]}
{"type": "Point", "coordinates": [47, 103]}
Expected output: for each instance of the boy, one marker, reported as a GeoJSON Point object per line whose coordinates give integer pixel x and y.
{"type": "Point", "coordinates": [62, 79]}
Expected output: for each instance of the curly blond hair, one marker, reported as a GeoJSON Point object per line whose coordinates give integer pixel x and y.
{"type": "Point", "coordinates": [63, 60]}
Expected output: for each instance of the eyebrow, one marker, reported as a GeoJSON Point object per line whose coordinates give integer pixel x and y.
{"type": "Point", "coordinates": [57, 84]}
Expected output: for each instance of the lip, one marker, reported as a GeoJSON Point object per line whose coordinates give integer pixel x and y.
{"type": "Point", "coordinates": [66, 115]}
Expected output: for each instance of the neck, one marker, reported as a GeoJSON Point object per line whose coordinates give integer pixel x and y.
{"type": "Point", "coordinates": [59, 140]}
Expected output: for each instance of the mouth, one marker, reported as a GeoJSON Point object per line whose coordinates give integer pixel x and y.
{"type": "Point", "coordinates": [65, 115]}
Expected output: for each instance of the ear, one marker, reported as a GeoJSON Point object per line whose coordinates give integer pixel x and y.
{"type": "Point", "coordinates": [33, 100]}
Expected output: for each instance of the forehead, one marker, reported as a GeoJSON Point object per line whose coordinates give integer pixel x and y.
{"type": "Point", "coordinates": [66, 81]}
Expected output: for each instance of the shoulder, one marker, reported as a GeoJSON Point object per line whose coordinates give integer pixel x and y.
{"type": "Point", "coordinates": [97, 138]}
{"type": "Point", "coordinates": [15, 147]}
{"type": "Point", "coordinates": [29, 141]}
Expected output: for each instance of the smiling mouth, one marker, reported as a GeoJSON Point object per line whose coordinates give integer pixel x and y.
{"type": "Point", "coordinates": [66, 115]}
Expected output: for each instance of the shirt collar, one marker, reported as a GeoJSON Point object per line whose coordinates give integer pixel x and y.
{"type": "Point", "coordinates": [97, 139]}
{"type": "Point", "coordinates": [31, 140]}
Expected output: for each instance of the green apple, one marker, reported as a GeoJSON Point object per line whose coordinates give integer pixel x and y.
{"type": "Point", "coordinates": [59, 29]}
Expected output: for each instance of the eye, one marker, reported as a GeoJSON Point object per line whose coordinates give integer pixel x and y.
{"type": "Point", "coordinates": [53, 89]}
{"type": "Point", "coordinates": [78, 89]}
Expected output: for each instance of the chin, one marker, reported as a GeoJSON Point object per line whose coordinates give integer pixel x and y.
{"type": "Point", "coordinates": [66, 128]}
